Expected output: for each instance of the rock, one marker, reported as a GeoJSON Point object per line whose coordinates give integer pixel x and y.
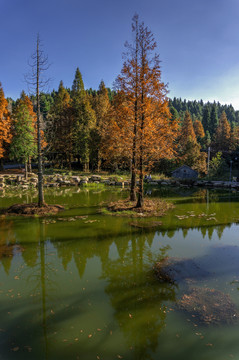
{"type": "Point", "coordinates": [153, 183]}
{"type": "Point", "coordinates": [95, 178]}
{"type": "Point", "coordinates": [76, 179]}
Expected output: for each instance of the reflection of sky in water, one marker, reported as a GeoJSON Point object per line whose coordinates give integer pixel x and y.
{"type": "Point", "coordinates": [76, 288]}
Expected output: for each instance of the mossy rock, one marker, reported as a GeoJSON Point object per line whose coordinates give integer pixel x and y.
{"type": "Point", "coordinates": [209, 306]}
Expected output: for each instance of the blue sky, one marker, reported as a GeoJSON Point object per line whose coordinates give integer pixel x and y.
{"type": "Point", "coordinates": [198, 42]}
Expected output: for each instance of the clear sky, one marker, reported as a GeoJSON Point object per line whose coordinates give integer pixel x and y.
{"type": "Point", "coordinates": [198, 42]}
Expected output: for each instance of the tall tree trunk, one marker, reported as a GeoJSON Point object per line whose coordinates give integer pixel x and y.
{"type": "Point", "coordinates": [140, 202]}
{"type": "Point", "coordinates": [26, 169]}
{"type": "Point", "coordinates": [1, 164]}
{"type": "Point", "coordinates": [29, 164]}
{"type": "Point", "coordinates": [40, 172]}
{"type": "Point", "coordinates": [133, 171]}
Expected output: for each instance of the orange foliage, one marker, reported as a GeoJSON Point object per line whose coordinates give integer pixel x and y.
{"type": "Point", "coordinates": [187, 131]}
{"type": "Point", "coordinates": [198, 129]}
{"type": "Point", "coordinates": [5, 123]}
{"type": "Point", "coordinates": [223, 133]}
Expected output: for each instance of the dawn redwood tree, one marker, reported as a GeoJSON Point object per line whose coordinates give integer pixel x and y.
{"type": "Point", "coordinates": [39, 64]}
{"type": "Point", "coordinates": [198, 129]}
{"type": "Point", "coordinates": [222, 138]}
{"type": "Point", "coordinates": [189, 149]}
{"type": "Point", "coordinates": [140, 126]}
{"type": "Point", "coordinates": [187, 131]}
{"type": "Point", "coordinates": [5, 125]}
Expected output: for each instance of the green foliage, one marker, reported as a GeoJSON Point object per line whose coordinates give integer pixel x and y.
{"type": "Point", "coordinates": [206, 119]}
{"type": "Point", "coordinates": [23, 144]}
{"type": "Point", "coordinates": [217, 166]}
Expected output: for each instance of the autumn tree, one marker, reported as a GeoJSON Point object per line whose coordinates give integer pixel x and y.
{"type": "Point", "coordinates": [223, 134]}
{"type": "Point", "coordinates": [5, 125]}
{"type": "Point", "coordinates": [198, 129]}
{"type": "Point", "coordinates": [189, 147]}
{"type": "Point", "coordinates": [187, 132]}
{"type": "Point", "coordinates": [23, 145]}
{"type": "Point", "coordinates": [235, 139]}
{"type": "Point", "coordinates": [140, 120]}
{"type": "Point", "coordinates": [83, 120]}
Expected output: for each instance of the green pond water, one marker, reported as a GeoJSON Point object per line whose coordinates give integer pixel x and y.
{"type": "Point", "coordinates": [80, 285]}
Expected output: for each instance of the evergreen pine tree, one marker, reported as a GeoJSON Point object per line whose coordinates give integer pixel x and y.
{"type": "Point", "coordinates": [213, 120]}
{"type": "Point", "coordinates": [206, 119]}
{"type": "Point", "coordinates": [100, 104]}
{"type": "Point", "coordinates": [60, 126]}
{"type": "Point", "coordinates": [83, 121]}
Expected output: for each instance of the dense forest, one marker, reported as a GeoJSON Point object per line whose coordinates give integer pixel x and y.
{"type": "Point", "coordinates": [134, 127]}
{"type": "Point", "coordinates": [73, 122]}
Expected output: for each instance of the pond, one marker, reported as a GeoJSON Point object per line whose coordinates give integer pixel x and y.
{"type": "Point", "coordinates": [81, 285]}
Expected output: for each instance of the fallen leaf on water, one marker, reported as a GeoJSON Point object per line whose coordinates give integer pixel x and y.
{"type": "Point", "coordinates": [119, 357]}
{"type": "Point", "coordinates": [28, 348]}
{"type": "Point", "coordinates": [52, 312]}
{"type": "Point", "coordinates": [130, 315]}
{"type": "Point", "coordinates": [209, 344]}
{"type": "Point", "coordinates": [76, 339]}
{"type": "Point", "coordinates": [90, 335]}
{"type": "Point", "coordinates": [16, 348]}
{"type": "Point", "coordinates": [16, 277]}
{"type": "Point", "coordinates": [99, 329]}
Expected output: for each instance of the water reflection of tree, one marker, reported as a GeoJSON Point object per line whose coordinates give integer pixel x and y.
{"type": "Point", "coordinates": [8, 244]}
{"type": "Point", "coordinates": [132, 289]}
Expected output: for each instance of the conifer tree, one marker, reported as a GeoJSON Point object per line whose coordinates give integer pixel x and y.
{"type": "Point", "coordinates": [101, 105]}
{"type": "Point", "coordinates": [60, 126]}
{"type": "Point", "coordinates": [206, 119]}
{"type": "Point", "coordinates": [83, 121]}
{"type": "Point", "coordinates": [5, 125]}
{"type": "Point", "coordinates": [139, 124]}
{"type": "Point", "coordinates": [213, 120]}
{"type": "Point", "coordinates": [223, 134]}
{"type": "Point", "coordinates": [23, 145]}
{"type": "Point", "coordinates": [198, 129]}
{"type": "Point", "coordinates": [187, 130]}
{"type": "Point", "coordinates": [189, 147]}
